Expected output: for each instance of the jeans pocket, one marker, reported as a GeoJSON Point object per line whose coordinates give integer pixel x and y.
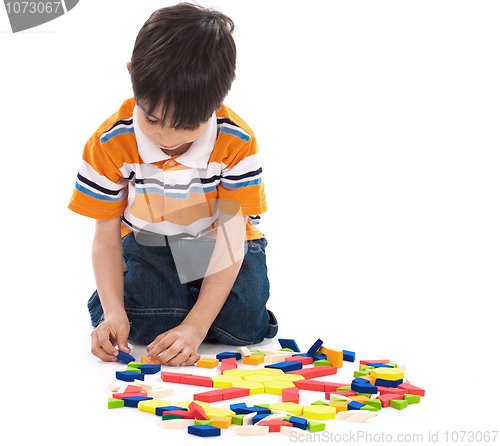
{"type": "Point", "coordinates": [257, 245]}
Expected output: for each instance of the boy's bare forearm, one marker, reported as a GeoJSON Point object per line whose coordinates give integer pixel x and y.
{"type": "Point", "coordinates": [107, 260]}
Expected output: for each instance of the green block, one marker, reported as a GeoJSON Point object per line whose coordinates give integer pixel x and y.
{"type": "Point", "coordinates": [114, 403]}
{"type": "Point", "coordinates": [369, 367]}
{"type": "Point", "coordinates": [256, 352]}
{"type": "Point", "coordinates": [237, 419]}
{"type": "Point", "coordinates": [334, 398]}
{"type": "Point", "coordinates": [412, 399]}
{"type": "Point", "coordinates": [319, 403]}
{"type": "Point", "coordinates": [361, 373]}
{"type": "Point", "coordinates": [322, 362]}
{"type": "Point", "coordinates": [315, 426]}
{"type": "Point", "coordinates": [287, 419]}
{"type": "Point", "coordinates": [170, 417]}
{"type": "Point", "coordinates": [344, 388]}
{"type": "Point", "coordinates": [364, 394]}
{"type": "Point", "coordinates": [370, 408]}
{"type": "Point", "coordinates": [204, 422]}
{"type": "Point", "coordinates": [263, 406]}
{"type": "Point", "coordinates": [374, 403]}
{"type": "Point", "coordinates": [362, 367]}
{"type": "Point", "coordinates": [287, 350]}
{"type": "Point", "coordinates": [134, 364]}
{"type": "Point", "coordinates": [393, 365]}
{"type": "Point", "coordinates": [132, 369]}
{"type": "Point", "coordinates": [399, 404]}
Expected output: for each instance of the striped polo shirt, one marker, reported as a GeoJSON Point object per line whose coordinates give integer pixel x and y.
{"type": "Point", "coordinates": [124, 174]}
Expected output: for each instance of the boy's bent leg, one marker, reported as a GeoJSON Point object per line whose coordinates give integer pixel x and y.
{"type": "Point", "coordinates": [244, 318]}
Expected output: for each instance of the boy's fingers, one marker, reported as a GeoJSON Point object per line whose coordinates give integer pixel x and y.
{"type": "Point", "coordinates": [163, 344]}
{"type": "Point", "coordinates": [192, 359]}
{"type": "Point", "coordinates": [98, 351]}
{"type": "Point", "coordinates": [104, 341]}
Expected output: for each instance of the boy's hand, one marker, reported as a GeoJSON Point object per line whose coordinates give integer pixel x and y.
{"type": "Point", "coordinates": [179, 346]}
{"type": "Point", "coordinates": [110, 333]}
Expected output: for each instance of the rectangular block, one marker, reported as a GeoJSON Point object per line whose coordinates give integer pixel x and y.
{"type": "Point", "coordinates": [172, 377]}
{"type": "Point", "coordinates": [234, 392]}
{"type": "Point", "coordinates": [211, 396]}
{"type": "Point", "coordinates": [310, 384]}
{"type": "Point", "coordinates": [286, 366]}
{"type": "Point", "coordinates": [197, 380]}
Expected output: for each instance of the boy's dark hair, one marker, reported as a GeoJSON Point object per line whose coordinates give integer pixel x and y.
{"type": "Point", "coordinates": [184, 61]}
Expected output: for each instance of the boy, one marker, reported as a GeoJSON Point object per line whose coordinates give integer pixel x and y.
{"type": "Point", "coordinates": [174, 184]}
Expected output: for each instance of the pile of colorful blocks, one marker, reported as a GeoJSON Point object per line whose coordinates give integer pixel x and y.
{"type": "Point", "coordinates": [376, 385]}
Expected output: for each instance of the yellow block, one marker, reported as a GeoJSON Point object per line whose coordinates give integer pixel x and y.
{"type": "Point", "coordinates": [334, 357]}
{"type": "Point", "coordinates": [253, 359]}
{"type": "Point", "coordinates": [151, 405]}
{"type": "Point", "coordinates": [218, 412]}
{"type": "Point", "coordinates": [254, 387]}
{"type": "Point", "coordinates": [207, 363]}
{"type": "Point", "coordinates": [238, 372]}
{"type": "Point", "coordinates": [269, 372]}
{"type": "Point", "coordinates": [319, 412]}
{"type": "Point", "coordinates": [259, 378]}
{"type": "Point", "coordinates": [276, 387]}
{"type": "Point", "coordinates": [359, 398]}
{"type": "Point", "coordinates": [222, 422]}
{"type": "Point", "coordinates": [391, 374]}
{"type": "Point", "coordinates": [293, 408]}
{"type": "Point", "coordinates": [185, 404]}
{"type": "Point", "coordinates": [289, 377]}
{"type": "Point", "coordinates": [223, 381]}
{"type": "Point", "coordinates": [339, 406]}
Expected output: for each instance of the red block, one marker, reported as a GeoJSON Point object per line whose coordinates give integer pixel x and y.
{"type": "Point", "coordinates": [183, 413]}
{"type": "Point", "coordinates": [211, 396]}
{"type": "Point", "coordinates": [131, 389]}
{"type": "Point", "coordinates": [392, 390]}
{"type": "Point", "coordinates": [305, 360]}
{"type": "Point", "coordinates": [322, 371]}
{"type": "Point", "coordinates": [197, 411]}
{"type": "Point", "coordinates": [374, 361]}
{"type": "Point", "coordinates": [228, 364]}
{"type": "Point", "coordinates": [290, 395]}
{"type": "Point", "coordinates": [412, 390]}
{"type": "Point", "coordinates": [332, 387]}
{"type": "Point", "coordinates": [120, 396]}
{"type": "Point", "coordinates": [341, 392]}
{"type": "Point", "coordinates": [388, 397]}
{"type": "Point", "coordinates": [274, 425]}
{"type": "Point", "coordinates": [170, 377]}
{"type": "Point", "coordinates": [234, 392]}
{"type": "Point", "coordinates": [229, 361]}
{"type": "Point", "coordinates": [197, 380]}
{"type": "Point", "coordinates": [310, 384]}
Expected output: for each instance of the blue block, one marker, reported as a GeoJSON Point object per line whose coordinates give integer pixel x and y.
{"type": "Point", "coordinates": [286, 366]}
{"type": "Point", "coordinates": [159, 410]}
{"type": "Point", "coordinates": [123, 357]}
{"type": "Point", "coordinates": [364, 388]}
{"type": "Point", "coordinates": [360, 380]}
{"type": "Point", "coordinates": [133, 401]}
{"type": "Point", "coordinates": [258, 417]}
{"type": "Point", "coordinates": [314, 348]}
{"type": "Point", "coordinates": [319, 356]}
{"type": "Point", "coordinates": [150, 369]}
{"type": "Point", "coordinates": [289, 343]}
{"type": "Point", "coordinates": [354, 405]}
{"type": "Point", "coordinates": [388, 382]}
{"type": "Point", "coordinates": [203, 430]}
{"type": "Point", "coordinates": [349, 356]}
{"type": "Point", "coordinates": [237, 406]}
{"type": "Point", "coordinates": [227, 355]}
{"type": "Point", "coordinates": [247, 410]}
{"type": "Point", "coordinates": [378, 366]}
{"type": "Point", "coordinates": [299, 422]}
{"type": "Point", "coordinates": [129, 376]}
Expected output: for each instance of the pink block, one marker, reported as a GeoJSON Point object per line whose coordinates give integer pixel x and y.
{"type": "Point", "coordinates": [388, 397]}
{"type": "Point", "coordinates": [412, 390]}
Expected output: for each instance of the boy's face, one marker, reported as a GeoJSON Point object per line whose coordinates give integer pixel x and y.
{"type": "Point", "coordinates": [171, 141]}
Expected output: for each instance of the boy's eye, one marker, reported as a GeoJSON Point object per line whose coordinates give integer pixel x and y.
{"type": "Point", "coordinates": [150, 121]}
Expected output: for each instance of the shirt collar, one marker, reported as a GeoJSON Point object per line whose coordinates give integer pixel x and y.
{"type": "Point", "coordinates": [197, 156]}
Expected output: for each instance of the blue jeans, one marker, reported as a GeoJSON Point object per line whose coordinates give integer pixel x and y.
{"type": "Point", "coordinates": [157, 300]}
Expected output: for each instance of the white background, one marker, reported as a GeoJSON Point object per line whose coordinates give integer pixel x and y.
{"type": "Point", "coordinates": [378, 124]}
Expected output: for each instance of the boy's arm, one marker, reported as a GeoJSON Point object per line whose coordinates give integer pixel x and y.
{"type": "Point", "coordinates": [107, 260]}
{"type": "Point", "coordinates": [180, 345]}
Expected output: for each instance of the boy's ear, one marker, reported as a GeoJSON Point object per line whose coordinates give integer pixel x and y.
{"type": "Point", "coordinates": [128, 67]}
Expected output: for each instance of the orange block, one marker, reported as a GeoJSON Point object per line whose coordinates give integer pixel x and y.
{"type": "Point", "coordinates": [253, 359]}
{"type": "Point", "coordinates": [143, 360]}
{"type": "Point", "coordinates": [340, 406]}
{"type": "Point", "coordinates": [222, 422]}
{"type": "Point", "coordinates": [207, 363]}
{"type": "Point", "coordinates": [359, 398]}
{"type": "Point", "coordinates": [334, 357]}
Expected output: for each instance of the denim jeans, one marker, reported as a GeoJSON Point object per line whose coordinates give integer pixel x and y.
{"type": "Point", "coordinates": [157, 299]}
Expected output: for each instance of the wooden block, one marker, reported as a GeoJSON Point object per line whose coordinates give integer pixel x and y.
{"type": "Point", "coordinates": [399, 404]}
{"type": "Point", "coordinates": [129, 376]}
{"type": "Point", "coordinates": [211, 396]}
{"type": "Point", "coordinates": [290, 395]}
{"type": "Point", "coordinates": [234, 392]}
{"type": "Point", "coordinates": [311, 384]}
{"type": "Point", "coordinates": [184, 414]}
{"type": "Point", "coordinates": [383, 390]}
{"type": "Point", "coordinates": [248, 419]}
{"type": "Point", "coordinates": [274, 425]}
{"type": "Point", "coordinates": [143, 360]}
{"type": "Point", "coordinates": [412, 399]}
{"type": "Point", "coordinates": [374, 361]}
{"type": "Point", "coordinates": [204, 430]}
{"type": "Point", "coordinates": [238, 372]}
{"type": "Point", "coordinates": [218, 412]}
{"type": "Point", "coordinates": [253, 387]}
{"type": "Point", "coordinates": [387, 398]}
{"type": "Point", "coordinates": [177, 423]}
{"type": "Point", "coordinates": [151, 405]}
{"type": "Point", "coordinates": [387, 373]}
{"type": "Point", "coordinates": [412, 390]}
{"type": "Point", "coordinates": [276, 387]}
{"type": "Point", "coordinates": [160, 393]}
{"type": "Point", "coordinates": [244, 351]}
{"type": "Point", "coordinates": [251, 430]}
{"type": "Point", "coordinates": [334, 357]}
{"type": "Point", "coordinates": [275, 358]}
{"type": "Point", "coordinates": [172, 377]}
{"type": "Point", "coordinates": [208, 363]}
{"type": "Point", "coordinates": [253, 359]}
{"type": "Point", "coordinates": [197, 380]}
{"type": "Point", "coordinates": [292, 408]}
{"type": "Point", "coordinates": [305, 360]}
{"type": "Point", "coordinates": [223, 381]}
{"type": "Point", "coordinates": [360, 416]}
{"type": "Point", "coordinates": [143, 385]}
{"type": "Point", "coordinates": [114, 403]}
{"type": "Point", "coordinates": [317, 412]}
{"type": "Point", "coordinates": [123, 357]}
{"type": "Point", "coordinates": [197, 411]}
{"type": "Point", "coordinates": [340, 406]}
{"type": "Point", "coordinates": [221, 422]}
{"type": "Point", "coordinates": [114, 387]}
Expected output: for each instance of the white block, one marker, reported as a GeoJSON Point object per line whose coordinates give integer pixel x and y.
{"type": "Point", "coordinates": [114, 387]}
{"type": "Point", "coordinates": [177, 423]}
{"type": "Point", "coordinates": [251, 430]}
{"type": "Point", "coordinates": [143, 385]}
{"type": "Point", "coordinates": [244, 351]}
{"type": "Point", "coordinates": [248, 419]}
{"type": "Point", "coordinates": [361, 416]}
{"type": "Point", "coordinates": [160, 393]}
